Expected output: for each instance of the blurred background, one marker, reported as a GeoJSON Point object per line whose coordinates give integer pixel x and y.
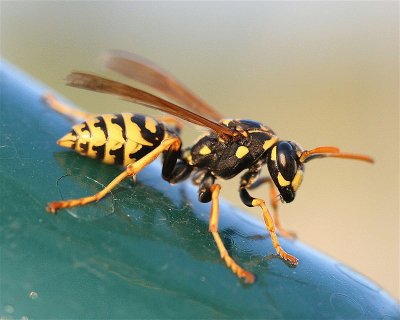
{"type": "Point", "coordinates": [319, 73]}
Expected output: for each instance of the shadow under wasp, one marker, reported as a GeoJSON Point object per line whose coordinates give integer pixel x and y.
{"type": "Point", "coordinates": [229, 148]}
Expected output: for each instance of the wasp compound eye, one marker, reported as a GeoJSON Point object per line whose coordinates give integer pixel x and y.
{"type": "Point", "coordinates": [286, 158]}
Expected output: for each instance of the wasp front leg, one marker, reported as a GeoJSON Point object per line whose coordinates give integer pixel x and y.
{"type": "Point", "coordinates": [249, 201]}
{"type": "Point", "coordinates": [274, 200]}
{"type": "Point", "coordinates": [130, 171]}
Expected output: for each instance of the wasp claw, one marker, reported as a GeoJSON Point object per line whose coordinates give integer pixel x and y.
{"type": "Point", "coordinates": [292, 260]}
{"type": "Point", "coordinates": [52, 207]}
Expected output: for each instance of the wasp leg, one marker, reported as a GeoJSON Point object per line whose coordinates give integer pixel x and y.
{"type": "Point", "coordinates": [174, 168]}
{"type": "Point", "coordinates": [269, 222]}
{"type": "Point", "coordinates": [180, 172]}
{"type": "Point", "coordinates": [66, 110]}
{"type": "Point", "coordinates": [213, 228]}
{"type": "Point", "coordinates": [131, 170]}
{"type": "Point", "coordinates": [274, 200]}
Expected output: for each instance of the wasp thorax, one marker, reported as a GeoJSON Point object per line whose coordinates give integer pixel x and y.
{"type": "Point", "coordinates": [285, 168]}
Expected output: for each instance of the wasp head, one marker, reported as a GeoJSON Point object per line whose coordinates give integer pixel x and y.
{"type": "Point", "coordinates": [286, 161]}
{"type": "Point", "coordinates": [285, 168]}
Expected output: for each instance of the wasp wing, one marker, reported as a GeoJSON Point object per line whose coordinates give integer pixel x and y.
{"type": "Point", "coordinates": [137, 68]}
{"type": "Point", "coordinates": [96, 83]}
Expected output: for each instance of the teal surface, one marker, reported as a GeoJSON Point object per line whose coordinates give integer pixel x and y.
{"type": "Point", "coordinates": [144, 251]}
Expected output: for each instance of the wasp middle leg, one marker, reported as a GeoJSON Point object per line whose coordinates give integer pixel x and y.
{"type": "Point", "coordinates": [173, 143]}
{"type": "Point", "coordinates": [210, 191]}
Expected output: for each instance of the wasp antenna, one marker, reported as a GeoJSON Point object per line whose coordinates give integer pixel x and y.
{"type": "Point", "coordinates": [353, 156]}
{"type": "Point", "coordinates": [318, 151]}
{"type": "Point", "coordinates": [332, 152]}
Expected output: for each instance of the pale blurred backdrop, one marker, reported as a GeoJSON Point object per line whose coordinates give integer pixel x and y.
{"type": "Point", "coordinates": [319, 73]}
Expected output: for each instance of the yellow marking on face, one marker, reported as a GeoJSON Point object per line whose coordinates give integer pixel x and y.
{"type": "Point", "coordinates": [150, 124]}
{"type": "Point", "coordinates": [205, 150]}
{"type": "Point", "coordinates": [273, 154]}
{"type": "Point", "coordinates": [282, 181]}
{"type": "Point", "coordinates": [242, 151]}
{"type": "Point", "coordinates": [268, 143]}
{"type": "Point", "coordinates": [298, 178]}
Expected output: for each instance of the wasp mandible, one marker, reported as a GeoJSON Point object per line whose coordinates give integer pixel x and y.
{"type": "Point", "coordinates": [229, 148]}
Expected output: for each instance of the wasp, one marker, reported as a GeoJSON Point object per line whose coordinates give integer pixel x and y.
{"type": "Point", "coordinates": [228, 148]}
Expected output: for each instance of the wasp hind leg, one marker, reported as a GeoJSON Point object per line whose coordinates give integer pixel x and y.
{"type": "Point", "coordinates": [65, 109]}
{"type": "Point", "coordinates": [213, 228]}
{"type": "Point", "coordinates": [130, 171]}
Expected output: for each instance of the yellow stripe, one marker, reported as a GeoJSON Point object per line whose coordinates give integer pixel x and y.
{"type": "Point", "coordinates": [282, 181]}
{"type": "Point", "coordinates": [188, 156]}
{"type": "Point", "coordinates": [269, 143]}
{"type": "Point", "coordinates": [132, 130]}
{"type": "Point", "coordinates": [115, 138]}
{"type": "Point", "coordinates": [298, 178]}
{"type": "Point", "coordinates": [98, 137]}
{"type": "Point", "coordinates": [131, 147]}
{"type": "Point", "coordinates": [83, 135]}
{"type": "Point", "coordinates": [150, 124]}
{"type": "Point", "coordinates": [273, 154]}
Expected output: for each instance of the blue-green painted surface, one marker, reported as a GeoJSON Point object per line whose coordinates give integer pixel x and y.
{"type": "Point", "coordinates": [144, 252]}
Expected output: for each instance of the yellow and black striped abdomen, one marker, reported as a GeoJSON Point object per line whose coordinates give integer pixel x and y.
{"type": "Point", "coordinates": [115, 138]}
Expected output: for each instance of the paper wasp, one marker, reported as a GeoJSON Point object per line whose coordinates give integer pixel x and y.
{"type": "Point", "coordinates": [230, 146]}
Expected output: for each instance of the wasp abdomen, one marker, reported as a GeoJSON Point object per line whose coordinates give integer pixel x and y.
{"type": "Point", "coordinates": [115, 138]}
